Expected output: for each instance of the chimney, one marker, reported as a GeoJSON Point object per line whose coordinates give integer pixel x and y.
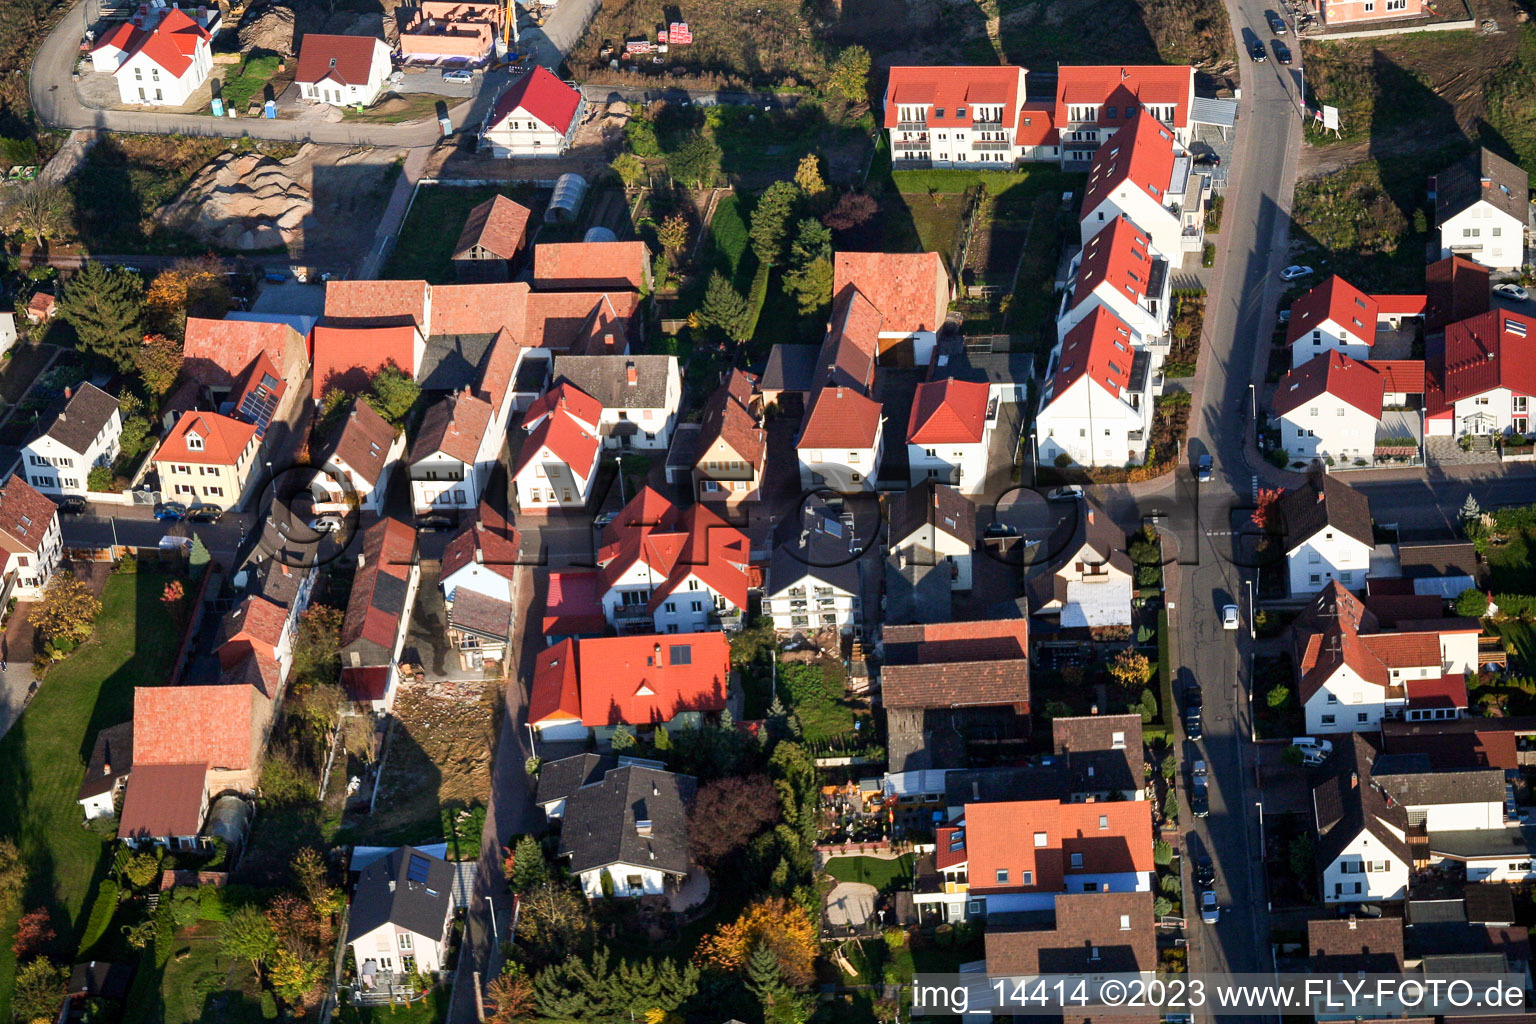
{"type": "Point", "coordinates": [1090, 516]}
{"type": "Point", "coordinates": [631, 375]}
{"type": "Point", "coordinates": [1093, 710]}
{"type": "Point", "coordinates": [106, 768]}
{"type": "Point", "coordinates": [1487, 182]}
{"type": "Point", "coordinates": [1351, 922]}
{"type": "Point", "coordinates": [391, 885]}
{"type": "Point", "coordinates": [1319, 495]}
{"type": "Point", "coordinates": [362, 560]}
{"type": "Point", "coordinates": [655, 791]}
{"type": "Point", "coordinates": [656, 651]}
{"type": "Point", "coordinates": [68, 394]}
{"type": "Point", "coordinates": [1354, 780]}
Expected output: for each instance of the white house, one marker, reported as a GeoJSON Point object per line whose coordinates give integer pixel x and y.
{"type": "Point", "coordinates": [1330, 407]}
{"type": "Point", "coordinates": [1481, 209]}
{"type": "Point", "coordinates": [1096, 405]}
{"type": "Point", "coordinates": [1485, 380]}
{"type": "Point", "coordinates": [639, 396]}
{"type": "Point", "coordinates": [29, 538]}
{"type": "Point", "coordinates": [1118, 270]}
{"type": "Point", "coordinates": [359, 463]}
{"type": "Point", "coordinates": [1094, 564]}
{"type": "Point", "coordinates": [841, 441]}
{"type": "Point", "coordinates": [79, 433]}
{"type": "Point", "coordinates": [672, 571]}
{"type": "Point", "coordinates": [949, 433]}
{"type": "Point", "coordinates": [1334, 316]}
{"type": "Point", "coordinates": [159, 58]}
{"type": "Point", "coordinates": [342, 70]}
{"type": "Point", "coordinates": [1362, 846]}
{"type": "Point", "coordinates": [453, 454]}
{"type": "Point", "coordinates": [536, 116]}
{"type": "Point", "coordinates": [399, 920]}
{"type": "Point", "coordinates": [1095, 101]}
{"type": "Point", "coordinates": [932, 523]}
{"type": "Point", "coordinates": [558, 460]}
{"type": "Point", "coordinates": [107, 771]}
{"type": "Point", "coordinates": [1142, 174]}
{"type": "Point", "coordinates": [816, 584]}
{"type": "Point", "coordinates": [1352, 673]}
{"type": "Point", "coordinates": [1327, 535]}
{"type": "Point", "coordinates": [627, 835]}
{"type": "Point", "coordinates": [953, 116]}
{"type": "Point", "coordinates": [908, 293]}
{"type": "Point", "coordinates": [482, 557]}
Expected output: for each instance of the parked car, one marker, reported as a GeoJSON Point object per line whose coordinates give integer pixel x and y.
{"type": "Point", "coordinates": [1512, 291]}
{"type": "Point", "coordinates": [74, 505]}
{"type": "Point", "coordinates": [1200, 797]}
{"type": "Point", "coordinates": [1203, 469]}
{"type": "Point", "coordinates": [604, 519]}
{"type": "Point", "coordinates": [1285, 316]}
{"type": "Point", "coordinates": [1208, 158]}
{"type": "Point", "coordinates": [1294, 272]}
{"type": "Point", "coordinates": [1198, 769]}
{"type": "Point", "coordinates": [1282, 52]}
{"type": "Point", "coordinates": [276, 276]}
{"type": "Point", "coordinates": [1210, 910]}
{"type": "Point", "coordinates": [1205, 872]}
{"type": "Point", "coordinates": [1276, 23]}
{"type": "Point", "coordinates": [1256, 51]}
{"type": "Point", "coordinates": [171, 511]}
{"type": "Point", "coordinates": [1313, 751]}
{"type": "Point", "coordinates": [1192, 705]}
{"type": "Point", "coordinates": [1229, 617]}
{"type": "Point", "coordinates": [328, 523]}
{"type": "Point", "coordinates": [1071, 492]}
{"type": "Point", "coordinates": [1000, 530]}
{"type": "Point", "coordinates": [434, 523]}
{"type": "Point", "coordinates": [460, 75]}
{"type": "Point", "coordinates": [205, 514]}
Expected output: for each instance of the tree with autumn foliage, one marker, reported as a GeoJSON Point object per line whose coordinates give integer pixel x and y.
{"type": "Point", "coordinates": [191, 287]}
{"type": "Point", "coordinates": [158, 362]}
{"type": "Point", "coordinates": [780, 925]}
{"type": "Point", "coordinates": [302, 936]}
{"type": "Point", "coordinates": [673, 236]}
{"type": "Point", "coordinates": [1265, 513]}
{"type": "Point", "coordinates": [1131, 668]}
{"type": "Point", "coordinates": [173, 593]}
{"type": "Point", "coordinates": [510, 996]}
{"type": "Point", "coordinates": [66, 614]}
{"type": "Point", "coordinates": [727, 813]}
{"type": "Point", "coordinates": [33, 932]}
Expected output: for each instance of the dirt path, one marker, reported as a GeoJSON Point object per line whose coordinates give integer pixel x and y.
{"type": "Point", "coordinates": [1318, 160]}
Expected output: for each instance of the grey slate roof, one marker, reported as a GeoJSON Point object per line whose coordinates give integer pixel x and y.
{"type": "Point", "coordinates": [605, 378]}
{"type": "Point", "coordinates": [601, 821]}
{"type": "Point", "coordinates": [386, 894]}
{"type": "Point", "coordinates": [1324, 502]}
{"type": "Point", "coordinates": [1462, 185]}
{"type": "Point", "coordinates": [1433, 560]}
{"type": "Point", "coordinates": [931, 502]}
{"type": "Point", "coordinates": [474, 612]}
{"type": "Point", "coordinates": [917, 592]}
{"type": "Point", "coordinates": [790, 368]}
{"type": "Point", "coordinates": [819, 556]}
{"type": "Point", "coordinates": [1416, 786]}
{"type": "Point", "coordinates": [1350, 801]}
{"type": "Point", "coordinates": [559, 779]}
{"type": "Point", "coordinates": [74, 422]}
{"type": "Point", "coordinates": [996, 785]}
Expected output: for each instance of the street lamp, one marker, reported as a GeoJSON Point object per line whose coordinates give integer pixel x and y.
{"type": "Point", "coordinates": [1260, 805]}
{"type": "Point", "coordinates": [1253, 613]}
{"type": "Point", "coordinates": [532, 750]}
{"type": "Point", "coordinates": [495, 936]}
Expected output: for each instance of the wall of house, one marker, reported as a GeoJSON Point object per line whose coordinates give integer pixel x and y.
{"type": "Point", "coordinates": [1493, 412]}
{"type": "Point", "coordinates": [55, 469]}
{"type": "Point", "coordinates": [440, 481]}
{"type": "Point", "coordinates": [1458, 652]}
{"type": "Point", "coordinates": [821, 601]}
{"type": "Point", "coordinates": [98, 806]}
{"type": "Point", "coordinates": [479, 579]}
{"type": "Point", "coordinates": [1147, 318]}
{"type": "Point", "coordinates": [653, 882]}
{"type": "Point", "coordinates": [33, 569]}
{"type": "Point", "coordinates": [1140, 209]}
{"type": "Point", "coordinates": [519, 134]}
{"type": "Point", "coordinates": [1320, 560]}
{"type": "Point", "coordinates": [928, 546]}
{"type": "Point", "coordinates": [963, 466]}
{"type": "Point", "coordinates": [1463, 817]}
{"type": "Point", "coordinates": [561, 729]}
{"type": "Point", "coordinates": [1486, 235]}
{"type": "Point", "coordinates": [1366, 863]}
{"type": "Point", "coordinates": [1352, 697]}
{"type": "Point", "coordinates": [1348, 12]}
{"type": "Point", "coordinates": [1092, 427]}
{"type": "Point", "coordinates": [842, 470]}
{"type": "Point", "coordinates": [1514, 868]}
{"type": "Point", "coordinates": [546, 482]}
{"type": "Point", "coordinates": [388, 945]}
{"type": "Point", "coordinates": [689, 611]}
{"type": "Point", "coordinates": [1329, 427]}
{"type": "Point", "coordinates": [1331, 336]}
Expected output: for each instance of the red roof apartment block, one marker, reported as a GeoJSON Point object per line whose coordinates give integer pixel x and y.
{"type": "Point", "coordinates": [948, 93]}
{"type": "Point", "coordinates": [633, 680]}
{"type": "Point", "coordinates": [1021, 846]}
{"type": "Point", "coordinates": [1098, 347]}
{"type": "Point", "coordinates": [674, 545]}
{"type": "Point", "coordinates": [909, 289]}
{"type": "Point", "coordinates": [209, 725]}
{"type": "Point", "coordinates": [591, 266]}
{"type": "Point", "coordinates": [1119, 254]}
{"type": "Point", "coordinates": [1141, 154]}
{"type": "Point", "coordinates": [345, 60]}
{"type": "Point", "coordinates": [1491, 351]}
{"type": "Point", "coordinates": [1334, 373]}
{"type": "Point", "coordinates": [542, 95]}
{"type": "Point", "coordinates": [216, 441]}
{"type": "Point", "coordinates": [1037, 125]}
{"type": "Point", "coordinates": [949, 411]}
{"type": "Point", "coordinates": [1338, 301]}
{"type": "Point", "coordinates": [1117, 92]}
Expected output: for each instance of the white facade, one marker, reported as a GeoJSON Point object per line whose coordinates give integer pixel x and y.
{"type": "Point", "coordinates": [141, 81]}
{"type": "Point", "coordinates": [1093, 427]}
{"type": "Point", "coordinates": [1507, 868]}
{"type": "Point", "coordinates": [1324, 557]}
{"type": "Point", "coordinates": [959, 903]}
{"type": "Point", "coordinates": [388, 945]}
{"type": "Point", "coordinates": [1328, 426]}
{"type": "Point", "coordinates": [33, 570]}
{"type": "Point", "coordinates": [441, 482]}
{"type": "Point", "coordinates": [479, 579]}
{"type": "Point", "coordinates": [1328, 335]}
{"type": "Point", "coordinates": [369, 497]}
{"type": "Point", "coordinates": [928, 544]}
{"type": "Point", "coordinates": [1495, 411]}
{"type": "Point", "coordinates": [623, 876]}
{"type": "Point", "coordinates": [1484, 234]}
{"type": "Point", "coordinates": [1348, 703]}
{"type": "Point", "coordinates": [1365, 871]}
{"type": "Point", "coordinates": [1147, 317]}
{"type": "Point", "coordinates": [545, 482]}
{"type": "Point", "coordinates": [522, 133]}
{"type": "Point", "coordinates": [101, 805]}
{"type": "Point", "coordinates": [844, 470]}
{"type": "Point", "coordinates": [328, 90]}
{"type": "Point", "coordinates": [809, 603]}
{"type": "Point", "coordinates": [652, 426]}
{"type": "Point", "coordinates": [961, 465]}
{"type": "Point", "coordinates": [56, 469]}
{"type": "Point", "coordinates": [686, 610]}
{"type": "Point", "coordinates": [984, 139]}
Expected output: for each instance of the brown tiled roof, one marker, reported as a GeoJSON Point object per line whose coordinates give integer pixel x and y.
{"type": "Point", "coordinates": [1457, 289]}
{"type": "Point", "coordinates": [500, 366]}
{"type": "Point", "coordinates": [911, 290]}
{"type": "Point", "coordinates": [1483, 177]}
{"type": "Point", "coordinates": [956, 664]}
{"type": "Point", "coordinates": [1088, 743]}
{"type": "Point", "coordinates": [363, 442]}
{"type": "Point", "coordinates": [1322, 502]}
{"type": "Point", "coordinates": [211, 724]}
{"type": "Point", "coordinates": [455, 425]}
{"type": "Point", "coordinates": [498, 225]}
{"type": "Point", "coordinates": [590, 266]}
{"type": "Point", "coordinates": [931, 503]}
{"type": "Point", "coordinates": [490, 534]}
{"type": "Point", "coordinates": [347, 60]}
{"type": "Point", "coordinates": [728, 417]}
{"type": "Point", "coordinates": [481, 615]}
{"type": "Point", "coordinates": [1081, 922]}
{"type": "Point", "coordinates": [163, 800]}
{"type": "Point", "coordinates": [1349, 802]}
{"type": "Point", "coordinates": [24, 516]}
{"type": "Point", "coordinates": [377, 600]}
{"type": "Point", "coordinates": [477, 308]}
{"type": "Point", "coordinates": [111, 759]}
{"type": "Point", "coordinates": [1347, 945]}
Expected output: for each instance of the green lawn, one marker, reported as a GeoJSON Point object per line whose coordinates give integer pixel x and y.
{"type": "Point", "coordinates": [879, 872]}
{"type": "Point", "coordinates": [424, 248]}
{"type": "Point", "coordinates": [198, 985]}
{"type": "Point", "coordinates": [42, 758]}
{"type": "Point", "coordinates": [246, 82]}
{"type": "Point", "coordinates": [1521, 637]}
{"type": "Point", "coordinates": [430, 1010]}
{"type": "Point", "coordinates": [393, 108]}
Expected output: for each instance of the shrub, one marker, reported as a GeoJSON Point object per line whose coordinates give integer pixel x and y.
{"type": "Point", "coordinates": [102, 912]}
{"type": "Point", "coordinates": [1162, 853]}
{"type": "Point", "coordinates": [1208, 255]}
{"type": "Point", "coordinates": [1162, 906]}
{"type": "Point", "coordinates": [1170, 885]}
{"type": "Point", "coordinates": [1278, 696]}
{"type": "Point", "coordinates": [1472, 603]}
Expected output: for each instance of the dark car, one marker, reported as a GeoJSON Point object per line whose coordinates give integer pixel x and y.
{"type": "Point", "coordinates": [434, 524]}
{"type": "Point", "coordinates": [74, 506]}
{"type": "Point", "coordinates": [1208, 158]}
{"type": "Point", "coordinates": [1282, 52]}
{"type": "Point", "coordinates": [1203, 469]}
{"type": "Point", "coordinates": [1200, 797]}
{"type": "Point", "coordinates": [171, 511]}
{"type": "Point", "coordinates": [205, 514]}
{"type": "Point", "coordinates": [1276, 23]}
{"type": "Point", "coordinates": [1192, 704]}
{"type": "Point", "coordinates": [1256, 51]}
{"type": "Point", "coordinates": [1205, 872]}
{"type": "Point", "coordinates": [1000, 530]}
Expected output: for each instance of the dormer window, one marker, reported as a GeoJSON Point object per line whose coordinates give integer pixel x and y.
{"type": "Point", "coordinates": [938, 111]}
{"type": "Point", "coordinates": [959, 111]}
{"type": "Point", "coordinates": [194, 442]}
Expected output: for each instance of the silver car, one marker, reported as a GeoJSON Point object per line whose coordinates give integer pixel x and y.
{"type": "Point", "coordinates": [1210, 910]}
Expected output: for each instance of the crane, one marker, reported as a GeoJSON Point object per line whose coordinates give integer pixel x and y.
{"type": "Point", "coordinates": [509, 37]}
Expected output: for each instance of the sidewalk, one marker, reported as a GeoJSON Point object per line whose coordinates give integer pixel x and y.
{"type": "Point", "coordinates": [18, 677]}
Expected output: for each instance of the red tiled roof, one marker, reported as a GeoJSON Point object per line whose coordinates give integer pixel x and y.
{"type": "Point", "coordinates": [478, 309]}
{"type": "Point", "coordinates": [568, 321]}
{"type": "Point", "coordinates": [1442, 692]}
{"type": "Point", "coordinates": [590, 266]}
{"type": "Point", "coordinates": [218, 351]}
{"type": "Point", "coordinates": [910, 289]}
{"type": "Point", "coordinates": [567, 396]}
{"type": "Point", "coordinates": [1400, 376]}
{"type": "Point", "coordinates": [1037, 125]}
{"type": "Point", "coordinates": [642, 680]}
{"type": "Point", "coordinates": [1111, 837]}
{"type": "Point", "coordinates": [25, 515]}
{"type": "Point", "coordinates": [674, 545]}
{"type": "Point", "coordinates": [500, 366]}
{"type": "Point", "coordinates": [172, 43]}
{"type": "Point", "coordinates": [1400, 305]}
{"type": "Point", "coordinates": [498, 225]}
{"type": "Point", "coordinates": [1099, 346]}
{"type": "Point", "coordinates": [224, 439]}
{"type": "Point", "coordinates": [562, 427]}
{"type": "Point", "coordinates": [728, 417]}
{"type": "Point", "coordinates": [347, 60]}
{"type": "Point", "coordinates": [346, 357]}
{"type": "Point", "coordinates": [1119, 255]}
{"type": "Point", "coordinates": [1457, 289]}
{"type": "Point", "coordinates": [119, 38]}
{"type": "Point", "coordinates": [492, 537]}
{"type": "Point", "coordinates": [573, 606]}
{"type": "Point", "coordinates": [1140, 153]}
{"type": "Point", "coordinates": [1123, 87]}
{"type": "Point", "coordinates": [181, 724]}
{"type": "Point", "coordinates": [1486, 352]}
{"type": "Point", "coordinates": [1349, 380]}
{"type": "Point", "coordinates": [393, 301]}
{"type": "Point", "coordinates": [364, 442]}
{"type": "Point", "coordinates": [253, 619]}
{"type": "Point", "coordinates": [374, 612]}
{"type": "Point", "coordinates": [1337, 628]}
{"type": "Point", "coordinates": [364, 685]}
{"type": "Point", "coordinates": [1336, 301]}
{"type": "Point", "coordinates": [164, 800]}
{"type": "Point", "coordinates": [956, 664]}
{"type": "Point", "coordinates": [455, 425]}
{"type": "Point", "coordinates": [556, 690]}
{"type": "Point", "coordinates": [949, 411]}
{"type": "Point", "coordinates": [541, 94]}
{"type": "Point", "coordinates": [840, 418]}
{"type": "Point", "coordinates": [848, 353]}
{"type": "Point", "coordinates": [946, 91]}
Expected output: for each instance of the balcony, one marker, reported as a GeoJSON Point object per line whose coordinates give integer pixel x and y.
{"type": "Point", "coordinates": [904, 146]}
{"type": "Point", "coordinates": [988, 126]}
{"type": "Point", "coordinates": [1136, 435]}
{"type": "Point", "coordinates": [727, 621]}
{"type": "Point", "coordinates": [911, 126]}
{"type": "Point", "coordinates": [993, 147]}
{"type": "Point", "coordinates": [632, 615]}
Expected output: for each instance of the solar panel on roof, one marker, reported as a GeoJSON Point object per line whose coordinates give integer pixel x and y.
{"type": "Point", "coordinates": [258, 406]}
{"type": "Point", "coordinates": [418, 869]}
{"type": "Point", "coordinates": [681, 654]}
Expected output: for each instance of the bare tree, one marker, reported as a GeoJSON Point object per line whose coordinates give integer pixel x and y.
{"type": "Point", "coordinates": [39, 211]}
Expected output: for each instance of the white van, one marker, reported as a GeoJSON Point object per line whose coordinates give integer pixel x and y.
{"type": "Point", "coordinates": [1313, 751]}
